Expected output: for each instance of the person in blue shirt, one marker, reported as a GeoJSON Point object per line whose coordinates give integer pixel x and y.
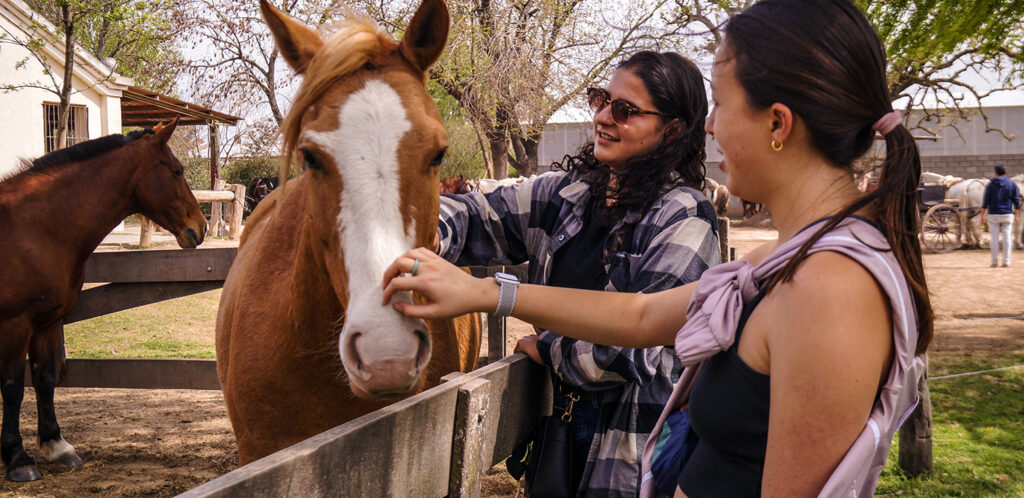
{"type": "Point", "coordinates": [1001, 206]}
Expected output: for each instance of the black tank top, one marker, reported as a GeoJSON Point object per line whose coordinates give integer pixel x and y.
{"type": "Point", "coordinates": [729, 412]}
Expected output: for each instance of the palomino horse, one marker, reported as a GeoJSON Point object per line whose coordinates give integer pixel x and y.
{"type": "Point", "coordinates": [718, 195]}
{"type": "Point", "coordinates": [53, 215]}
{"type": "Point", "coordinates": [303, 343]}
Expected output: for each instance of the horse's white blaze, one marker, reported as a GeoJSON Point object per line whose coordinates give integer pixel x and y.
{"type": "Point", "coordinates": [372, 122]}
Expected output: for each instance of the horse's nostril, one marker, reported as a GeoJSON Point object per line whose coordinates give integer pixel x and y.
{"type": "Point", "coordinates": [423, 352]}
{"type": "Point", "coordinates": [351, 351]}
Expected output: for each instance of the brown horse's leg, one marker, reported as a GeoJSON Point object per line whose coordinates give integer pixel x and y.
{"type": "Point", "coordinates": [46, 352]}
{"type": "Point", "coordinates": [20, 466]}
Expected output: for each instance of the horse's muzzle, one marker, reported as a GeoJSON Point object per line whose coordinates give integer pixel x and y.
{"type": "Point", "coordinates": [388, 367]}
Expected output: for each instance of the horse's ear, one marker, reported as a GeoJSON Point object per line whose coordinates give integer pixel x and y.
{"type": "Point", "coordinates": [426, 35]}
{"type": "Point", "coordinates": [297, 42]}
{"type": "Point", "coordinates": [163, 133]}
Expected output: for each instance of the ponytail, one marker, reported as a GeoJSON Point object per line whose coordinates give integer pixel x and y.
{"type": "Point", "coordinates": [824, 60]}
{"type": "Point", "coordinates": [895, 207]}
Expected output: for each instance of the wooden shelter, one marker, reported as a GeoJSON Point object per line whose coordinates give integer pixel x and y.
{"type": "Point", "coordinates": [146, 108]}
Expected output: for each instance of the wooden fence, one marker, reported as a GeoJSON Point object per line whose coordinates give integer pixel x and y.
{"type": "Point", "coordinates": [222, 221]}
{"type": "Point", "coordinates": [437, 443]}
{"type": "Point", "coordinates": [137, 278]}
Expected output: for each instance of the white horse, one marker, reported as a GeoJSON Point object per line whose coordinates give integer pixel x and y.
{"type": "Point", "coordinates": [488, 185]}
{"type": "Point", "coordinates": [970, 194]}
{"type": "Point", "coordinates": [1018, 238]}
{"type": "Point", "coordinates": [947, 180]}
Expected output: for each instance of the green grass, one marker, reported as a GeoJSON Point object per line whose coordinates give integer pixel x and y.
{"type": "Point", "coordinates": [977, 433]}
{"type": "Point", "coordinates": [179, 328]}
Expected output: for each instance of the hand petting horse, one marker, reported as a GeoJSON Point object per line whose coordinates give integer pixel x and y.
{"type": "Point", "coordinates": [303, 343]}
{"type": "Point", "coordinates": [53, 215]}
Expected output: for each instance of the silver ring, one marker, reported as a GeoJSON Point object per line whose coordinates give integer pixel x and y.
{"type": "Point", "coordinates": [415, 266]}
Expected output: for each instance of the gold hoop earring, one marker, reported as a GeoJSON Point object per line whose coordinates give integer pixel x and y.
{"type": "Point", "coordinates": [776, 146]}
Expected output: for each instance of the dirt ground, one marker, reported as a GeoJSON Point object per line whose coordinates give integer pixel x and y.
{"type": "Point", "coordinates": [161, 443]}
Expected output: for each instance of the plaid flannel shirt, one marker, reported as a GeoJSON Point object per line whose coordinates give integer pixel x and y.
{"type": "Point", "coordinates": [672, 244]}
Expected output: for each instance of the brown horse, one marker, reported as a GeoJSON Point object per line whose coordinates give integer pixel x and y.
{"type": "Point", "coordinates": [303, 342]}
{"type": "Point", "coordinates": [750, 208]}
{"type": "Point", "coordinates": [52, 216]}
{"type": "Point", "coordinates": [454, 185]}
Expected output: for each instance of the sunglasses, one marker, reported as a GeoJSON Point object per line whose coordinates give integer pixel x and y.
{"type": "Point", "coordinates": [598, 98]}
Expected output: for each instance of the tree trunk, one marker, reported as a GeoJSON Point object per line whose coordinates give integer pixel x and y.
{"type": "Point", "coordinates": [499, 153]}
{"type": "Point", "coordinates": [65, 91]}
{"type": "Point", "coordinates": [526, 149]}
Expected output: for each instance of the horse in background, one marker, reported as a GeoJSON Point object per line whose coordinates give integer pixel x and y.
{"type": "Point", "coordinates": [303, 342]}
{"type": "Point", "coordinates": [455, 185]}
{"type": "Point", "coordinates": [257, 189]}
{"type": "Point", "coordinates": [718, 194]}
{"type": "Point", "coordinates": [1018, 233]}
{"type": "Point", "coordinates": [750, 208]}
{"type": "Point", "coordinates": [488, 185]}
{"type": "Point", "coordinates": [53, 214]}
{"type": "Point", "coordinates": [969, 194]}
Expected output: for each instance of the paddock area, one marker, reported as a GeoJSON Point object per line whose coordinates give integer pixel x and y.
{"type": "Point", "coordinates": [164, 442]}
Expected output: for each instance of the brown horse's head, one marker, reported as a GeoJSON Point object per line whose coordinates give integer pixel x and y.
{"type": "Point", "coordinates": [159, 190]}
{"type": "Point", "coordinates": [371, 141]}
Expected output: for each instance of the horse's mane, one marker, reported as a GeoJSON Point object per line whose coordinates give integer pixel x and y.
{"type": "Point", "coordinates": [78, 152]}
{"type": "Point", "coordinates": [357, 42]}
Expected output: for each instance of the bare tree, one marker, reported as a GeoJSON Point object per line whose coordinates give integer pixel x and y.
{"type": "Point", "coordinates": [235, 63]}
{"type": "Point", "coordinates": [512, 64]}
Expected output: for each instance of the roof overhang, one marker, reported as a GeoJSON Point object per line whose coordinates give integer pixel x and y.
{"type": "Point", "coordinates": [145, 108]}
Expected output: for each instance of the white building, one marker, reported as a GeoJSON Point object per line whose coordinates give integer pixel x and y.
{"type": "Point", "coordinates": [28, 116]}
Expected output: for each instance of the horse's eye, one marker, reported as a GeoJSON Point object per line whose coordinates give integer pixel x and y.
{"type": "Point", "coordinates": [438, 158]}
{"type": "Point", "coordinates": [311, 161]}
{"type": "Point", "coordinates": [179, 172]}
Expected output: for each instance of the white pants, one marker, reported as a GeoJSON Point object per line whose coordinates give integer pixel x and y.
{"type": "Point", "coordinates": [999, 225]}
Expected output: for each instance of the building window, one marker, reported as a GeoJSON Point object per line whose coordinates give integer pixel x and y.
{"type": "Point", "coordinates": [78, 125]}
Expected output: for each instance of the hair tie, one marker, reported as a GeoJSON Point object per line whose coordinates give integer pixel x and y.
{"type": "Point", "coordinates": [888, 122]}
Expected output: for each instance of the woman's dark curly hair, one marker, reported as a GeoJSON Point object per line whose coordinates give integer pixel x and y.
{"type": "Point", "coordinates": [677, 90]}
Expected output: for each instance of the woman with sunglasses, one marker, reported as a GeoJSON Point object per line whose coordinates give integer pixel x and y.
{"type": "Point", "coordinates": [624, 214]}
{"type": "Point", "coordinates": [810, 348]}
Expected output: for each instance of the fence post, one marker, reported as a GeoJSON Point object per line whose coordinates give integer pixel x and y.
{"type": "Point", "coordinates": [723, 238]}
{"type": "Point", "coordinates": [237, 211]}
{"type": "Point", "coordinates": [217, 212]}
{"type": "Point", "coordinates": [469, 442]}
{"type": "Point", "coordinates": [146, 229]}
{"type": "Point", "coordinates": [916, 433]}
{"type": "Point", "coordinates": [495, 327]}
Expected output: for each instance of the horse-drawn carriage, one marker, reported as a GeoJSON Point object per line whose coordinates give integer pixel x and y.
{"type": "Point", "coordinates": [942, 226]}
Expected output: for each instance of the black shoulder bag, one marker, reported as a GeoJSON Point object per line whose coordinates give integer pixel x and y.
{"type": "Point", "coordinates": [546, 458]}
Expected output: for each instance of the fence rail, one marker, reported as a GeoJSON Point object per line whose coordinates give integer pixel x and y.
{"type": "Point", "coordinates": [437, 443]}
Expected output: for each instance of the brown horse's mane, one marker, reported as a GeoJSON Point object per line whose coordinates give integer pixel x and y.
{"type": "Point", "coordinates": [357, 43]}
{"type": "Point", "coordinates": [78, 152]}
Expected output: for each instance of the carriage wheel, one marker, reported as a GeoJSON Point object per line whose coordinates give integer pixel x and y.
{"type": "Point", "coordinates": [942, 228]}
